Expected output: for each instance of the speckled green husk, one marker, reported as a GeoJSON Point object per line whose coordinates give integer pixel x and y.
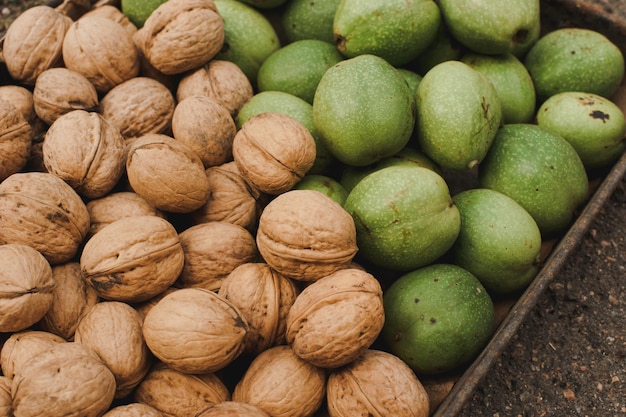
{"type": "Point", "coordinates": [541, 171]}
{"type": "Point", "coordinates": [363, 110]}
{"type": "Point", "coordinates": [437, 318]}
{"type": "Point", "coordinates": [404, 217]}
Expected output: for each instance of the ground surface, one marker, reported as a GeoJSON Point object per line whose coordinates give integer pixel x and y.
{"type": "Point", "coordinates": [568, 358]}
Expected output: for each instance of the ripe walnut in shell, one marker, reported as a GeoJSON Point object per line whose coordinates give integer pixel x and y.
{"type": "Point", "coordinates": [21, 347]}
{"type": "Point", "coordinates": [133, 258]}
{"type": "Point", "coordinates": [138, 106]}
{"type": "Point", "coordinates": [67, 379]}
{"type": "Point", "coordinates": [41, 210]}
{"type": "Point", "coordinates": [194, 330]}
{"type": "Point", "coordinates": [206, 127]}
{"type": "Point", "coordinates": [231, 199]}
{"type": "Point", "coordinates": [133, 410]}
{"type": "Point", "coordinates": [305, 235]}
{"type": "Point", "coordinates": [233, 409]}
{"type": "Point", "coordinates": [167, 173]}
{"type": "Point", "coordinates": [22, 99]}
{"type": "Point", "coordinates": [72, 297]}
{"type": "Point", "coordinates": [282, 384]}
{"type": "Point", "coordinates": [220, 80]}
{"type": "Point", "coordinates": [212, 250]}
{"type": "Point", "coordinates": [6, 406]}
{"type": "Point", "coordinates": [86, 151]}
{"type": "Point", "coordinates": [376, 383]}
{"type": "Point", "coordinates": [175, 393]}
{"type": "Point", "coordinates": [59, 91]}
{"type": "Point", "coordinates": [101, 50]}
{"type": "Point", "coordinates": [264, 297]}
{"type": "Point", "coordinates": [34, 42]}
{"type": "Point", "coordinates": [114, 206]}
{"type": "Point", "coordinates": [181, 35]}
{"type": "Point", "coordinates": [114, 13]}
{"type": "Point", "coordinates": [15, 140]}
{"type": "Point", "coordinates": [113, 330]}
{"type": "Point", "coordinates": [273, 151]}
{"type": "Point", "coordinates": [336, 318]}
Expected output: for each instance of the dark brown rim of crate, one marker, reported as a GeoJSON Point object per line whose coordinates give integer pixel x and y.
{"type": "Point", "coordinates": [555, 14]}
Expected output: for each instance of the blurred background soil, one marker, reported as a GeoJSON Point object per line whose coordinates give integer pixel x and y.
{"type": "Point", "coordinates": [568, 358]}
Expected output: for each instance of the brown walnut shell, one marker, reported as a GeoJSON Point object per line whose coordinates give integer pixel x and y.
{"type": "Point", "coordinates": [336, 318]}
{"type": "Point", "coordinates": [133, 410]}
{"type": "Point", "coordinates": [376, 384]}
{"type": "Point", "coordinates": [264, 297]}
{"type": "Point", "coordinates": [15, 140]}
{"type": "Point", "coordinates": [59, 91]}
{"type": "Point", "coordinates": [167, 173]}
{"type": "Point", "coordinates": [231, 200]}
{"type": "Point", "coordinates": [282, 384]}
{"type": "Point", "coordinates": [41, 210]}
{"type": "Point", "coordinates": [305, 235]}
{"type": "Point", "coordinates": [114, 206]}
{"type": "Point", "coordinates": [72, 297]}
{"type": "Point", "coordinates": [21, 98]}
{"type": "Point", "coordinates": [133, 258]}
{"type": "Point", "coordinates": [207, 127]}
{"type": "Point", "coordinates": [113, 330]}
{"type": "Point", "coordinates": [138, 106]}
{"type": "Point", "coordinates": [114, 13]}
{"type": "Point", "coordinates": [220, 80]}
{"type": "Point", "coordinates": [86, 151]}
{"type": "Point", "coordinates": [67, 379]}
{"type": "Point", "coordinates": [212, 250]}
{"type": "Point", "coordinates": [233, 409]}
{"type": "Point", "coordinates": [21, 347]}
{"type": "Point", "coordinates": [176, 394]}
{"type": "Point", "coordinates": [181, 35]}
{"type": "Point", "coordinates": [102, 50]}
{"type": "Point", "coordinates": [273, 151]}
{"type": "Point", "coordinates": [145, 306]}
{"type": "Point", "coordinates": [6, 401]}
{"type": "Point", "coordinates": [194, 330]}
{"type": "Point", "coordinates": [34, 42]}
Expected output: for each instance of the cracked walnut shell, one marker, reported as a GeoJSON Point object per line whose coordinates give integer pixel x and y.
{"type": "Point", "coordinates": [305, 235]}
{"type": "Point", "coordinates": [336, 318]}
{"type": "Point", "coordinates": [273, 151]}
{"type": "Point", "coordinates": [181, 35]}
{"type": "Point", "coordinates": [133, 258]}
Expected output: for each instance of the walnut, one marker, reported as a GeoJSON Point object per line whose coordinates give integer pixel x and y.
{"type": "Point", "coordinates": [34, 42]}
{"type": "Point", "coordinates": [21, 98]}
{"type": "Point", "coordinates": [212, 250]}
{"type": "Point", "coordinates": [72, 297]}
{"type": "Point", "coordinates": [376, 383]}
{"type": "Point", "coordinates": [174, 393]}
{"type": "Point", "coordinates": [231, 199]}
{"type": "Point", "coordinates": [26, 287]}
{"type": "Point", "coordinates": [282, 384]}
{"type": "Point", "coordinates": [133, 410]}
{"type": "Point", "coordinates": [59, 91]}
{"type": "Point", "coordinates": [181, 35]}
{"type": "Point", "coordinates": [305, 235]}
{"type": "Point", "coordinates": [220, 80]}
{"type": "Point", "coordinates": [145, 306]}
{"type": "Point", "coordinates": [41, 210]}
{"type": "Point", "coordinates": [336, 318]}
{"type": "Point", "coordinates": [273, 151]}
{"type": "Point", "coordinates": [68, 371]}
{"type": "Point", "coordinates": [207, 127]}
{"type": "Point", "coordinates": [86, 151]}
{"type": "Point", "coordinates": [114, 13]}
{"type": "Point", "coordinates": [21, 347]}
{"type": "Point", "coordinates": [6, 402]}
{"type": "Point", "coordinates": [15, 140]}
{"type": "Point", "coordinates": [133, 258]}
{"type": "Point", "coordinates": [138, 106]}
{"type": "Point", "coordinates": [101, 50]}
{"type": "Point", "coordinates": [233, 409]}
{"type": "Point", "coordinates": [264, 297]}
{"type": "Point", "coordinates": [167, 173]}
{"type": "Point", "coordinates": [114, 206]}
{"type": "Point", "coordinates": [113, 330]}
{"type": "Point", "coordinates": [194, 330]}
